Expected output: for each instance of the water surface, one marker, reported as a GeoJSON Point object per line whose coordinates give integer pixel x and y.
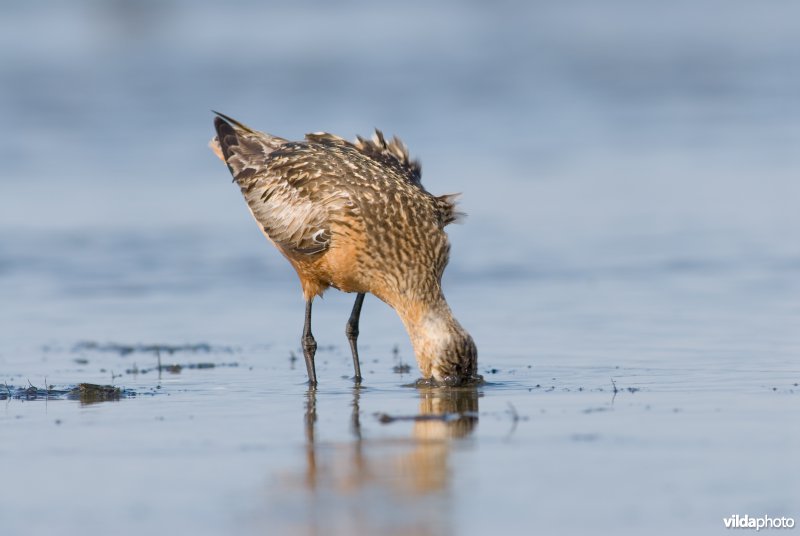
{"type": "Point", "coordinates": [630, 176]}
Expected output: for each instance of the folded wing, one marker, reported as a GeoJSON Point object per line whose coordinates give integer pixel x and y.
{"type": "Point", "coordinates": [292, 200]}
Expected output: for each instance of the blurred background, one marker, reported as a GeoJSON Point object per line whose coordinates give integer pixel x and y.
{"type": "Point", "coordinates": [630, 170]}
{"type": "Point", "coordinates": [615, 139]}
{"type": "Point", "coordinates": [629, 141]}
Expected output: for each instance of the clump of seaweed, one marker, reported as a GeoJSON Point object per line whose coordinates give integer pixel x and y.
{"type": "Point", "coordinates": [86, 393]}
{"type": "Point", "coordinates": [91, 393]}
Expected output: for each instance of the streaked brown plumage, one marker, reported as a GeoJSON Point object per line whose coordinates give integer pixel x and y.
{"type": "Point", "coordinates": [354, 216]}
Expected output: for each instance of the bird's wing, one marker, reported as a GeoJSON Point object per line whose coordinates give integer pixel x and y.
{"type": "Point", "coordinates": [287, 186]}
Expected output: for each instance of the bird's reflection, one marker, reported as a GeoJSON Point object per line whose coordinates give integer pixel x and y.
{"type": "Point", "coordinates": [444, 414]}
{"type": "Point", "coordinates": [310, 421]}
{"type": "Point", "coordinates": [386, 478]}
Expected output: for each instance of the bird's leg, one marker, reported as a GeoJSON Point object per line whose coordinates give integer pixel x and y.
{"type": "Point", "coordinates": [351, 330]}
{"type": "Point", "coordinates": [309, 346]}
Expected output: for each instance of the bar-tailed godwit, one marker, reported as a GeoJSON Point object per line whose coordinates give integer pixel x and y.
{"type": "Point", "coordinates": [355, 216]}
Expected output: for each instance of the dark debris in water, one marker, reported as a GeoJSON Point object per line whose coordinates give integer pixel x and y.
{"type": "Point", "coordinates": [596, 410]}
{"type": "Point", "coordinates": [86, 393]}
{"type": "Point", "coordinates": [176, 368]}
{"type": "Point", "coordinates": [385, 418]}
{"type": "Point", "coordinates": [127, 349]}
{"type": "Point", "coordinates": [402, 368]}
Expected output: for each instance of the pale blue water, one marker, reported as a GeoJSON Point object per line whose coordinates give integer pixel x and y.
{"type": "Point", "coordinates": [630, 173]}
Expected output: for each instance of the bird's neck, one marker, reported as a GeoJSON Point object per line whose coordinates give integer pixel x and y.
{"type": "Point", "coordinates": [445, 352]}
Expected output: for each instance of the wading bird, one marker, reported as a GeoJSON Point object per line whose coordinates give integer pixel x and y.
{"type": "Point", "coordinates": [355, 216]}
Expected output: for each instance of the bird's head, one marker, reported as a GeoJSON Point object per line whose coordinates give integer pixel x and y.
{"type": "Point", "coordinates": [445, 352]}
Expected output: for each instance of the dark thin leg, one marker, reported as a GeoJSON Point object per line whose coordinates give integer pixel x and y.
{"type": "Point", "coordinates": [352, 334]}
{"type": "Point", "coordinates": [309, 346]}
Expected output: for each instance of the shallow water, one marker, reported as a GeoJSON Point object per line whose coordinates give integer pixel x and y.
{"type": "Point", "coordinates": [630, 271]}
